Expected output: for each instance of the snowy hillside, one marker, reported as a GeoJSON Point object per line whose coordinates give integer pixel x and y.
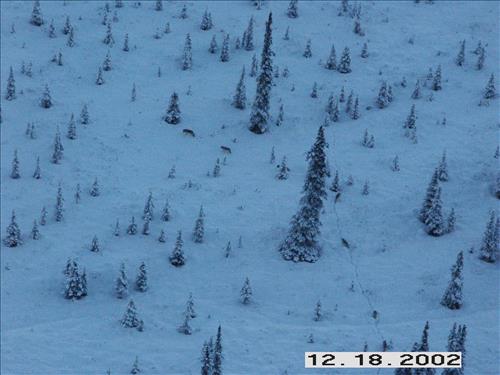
{"type": "Point", "coordinates": [380, 274]}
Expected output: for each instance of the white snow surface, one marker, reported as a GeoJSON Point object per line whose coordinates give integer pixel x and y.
{"type": "Point", "coordinates": [130, 150]}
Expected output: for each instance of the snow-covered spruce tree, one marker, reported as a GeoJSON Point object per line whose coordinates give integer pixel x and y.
{"type": "Point", "coordinates": [108, 39]}
{"type": "Point", "coordinates": [272, 159]}
{"type": "Point", "coordinates": [317, 312]}
{"type": "Point", "coordinates": [46, 99]}
{"type": "Point", "coordinates": [35, 232]}
{"type": "Point", "coordinates": [254, 67]}
{"type": "Point", "coordinates": [480, 59]}
{"type": "Point", "coordinates": [368, 140]}
{"type": "Point", "coordinates": [135, 367]}
{"type": "Point", "coordinates": [10, 92]}
{"type": "Point", "coordinates": [70, 42]}
{"type": "Point", "coordinates": [490, 244]}
{"type": "Point", "coordinates": [145, 227]}
{"type": "Point", "coordinates": [395, 164]}
{"type": "Point", "coordinates": [116, 231]}
{"type": "Point", "coordinates": [308, 52]}
{"type": "Point", "coordinates": [159, 5]}
{"type": "Point", "coordinates": [366, 188]}
{"type": "Point", "coordinates": [43, 216]}
{"type": "Point", "coordinates": [344, 65]}
{"type": "Point", "coordinates": [461, 54]}
{"type": "Point", "coordinates": [364, 52]}
{"type": "Point", "coordinates": [133, 96]}
{"type": "Point", "coordinates": [416, 91]}
{"type": "Point", "coordinates": [224, 52]}
{"type": "Point", "coordinates": [173, 114]}
{"type": "Point", "coordinates": [99, 80]}
{"type": "Point", "coordinates": [246, 292]}
{"type": "Point", "coordinates": [490, 91]}
{"type": "Point", "coordinates": [456, 341]}
{"type": "Point", "coordinates": [199, 227]}
{"type": "Point", "coordinates": [281, 115]}
{"type": "Point", "coordinates": [260, 108]}
{"type": "Point", "coordinates": [183, 15]}
{"type": "Point", "coordinates": [13, 237]}
{"type": "Point", "coordinates": [121, 288]}
{"type": "Point", "coordinates": [217, 354]}
{"type": "Point", "coordinates": [167, 29]}
{"type": "Point", "coordinates": [443, 168]}
{"type": "Point", "coordinates": [216, 171]}
{"type": "Point", "coordinates": [59, 59]}
{"type": "Point", "coordinates": [36, 14]}
{"type": "Point", "coordinates": [300, 244]}
{"type": "Point", "coordinates": [14, 173]}
{"type": "Point", "coordinates": [132, 228]}
{"type": "Point", "coordinates": [451, 221]}
{"type": "Point", "coordinates": [293, 11]}
{"type": "Point", "coordinates": [37, 174]}
{"type": "Point", "coordinates": [287, 33]}
{"type": "Point", "coordinates": [177, 257]}
{"type": "Point", "coordinates": [429, 197]}
{"type": "Point", "coordinates": [171, 173]}
{"type": "Point", "coordinates": [240, 98]}
{"type": "Point", "coordinates": [436, 82]}
{"type": "Point", "coordinates": [227, 251]}
{"type": "Point", "coordinates": [355, 112]}
{"type": "Point", "coordinates": [185, 328]}
{"type": "Point", "coordinates": [213, 45]}
{"type": "Point", "coordinates": [382, 100]}
{"type": "Point", "coordinates": [148, 212]}
{"type": "Point", "coordinates": [348, 104]}
{"type": "Point", "coordinates": [131, 319]}
{"type": "Point", "coordinates": [453, 298]}
{"type": "Point", "coordinates": [410, 122]}
{"type": "Point", "coordinates": [342, 95]}
{"type": "Point", "coordinates": [390, 97]}
{"type": "Point", "coordinates": [141, 282]}
{"type": "Point", "coordinates": [94, 245]}
{"type": "Point", "coordinates": [190, 307]}
{"type": "Point", "coordinates": [335, 186]}
{"type": "Point", "coordinates": [71, 133]}
{"type": "Point", "coordinates": [248, 36]}
{"type": "Point", "coordinates": [165, 214]}
{"type": "Point", "coordinates": [67, 26]}
{"type": "Point", "coordinates": [125, 47]}
{"type": "Point", "coordinates": [118, 3]}
{"type": "Point", "coordinates": [84, 115]}
{"type": "Point", "coordinates": [78, 194]}
{"type": "Point", "coordinates": [283, 170]}
{"type": "Point", "coordinates": [357, 27]}
{"type": "Point", "coordinates": [106, 65]}
{"type": "Point", "coordinates": [206, 360]}
{"type": "Point", "coordinates": [435, 225]}
{"type": "Point", "coordinates": [76, 283]}
{"type": "Point", "coordinates": [206, 21]}
{"type": "Point", "coordinates": [58, 149]}
{"type": "Point", "coordinates": [59, 211]}
{"type": "Point", "coordinates": [162, 237]}
{"type": "Point", "coordinates": [52, 29]}
{"type": "Point", "coordinates": [314, 91]}
{"type": "Point", "coordinates": [331, 63]}
{"type": "Point", "coordinates": [187, 55]}
{"type": "Point", "coordinates": [94, 190]}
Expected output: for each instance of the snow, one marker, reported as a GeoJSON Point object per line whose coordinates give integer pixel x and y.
{"type": "Point", "coordinates": [130, 150]}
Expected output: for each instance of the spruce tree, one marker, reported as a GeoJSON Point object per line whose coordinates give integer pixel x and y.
{"type": "Point", "coordinates": [148, 212]}
{"type": "Point", "coordinates": [331, 63]}
{"type": "Point", "coordinates": [281, 115]}
{"type": "Point", "coordinates": [395, 164]}
{"type": "Point", "coordinates": [453, 298]}
{"type": "Point", "coordinates": [293, 11]}
{"type": "Point", "coordinates": [314, 91]}
{"type": "Point", "coordinates": [382, 100]}
{"type": "Point", "coordinates": [183, 15]}
{"type": "Point", "coordinates": [224, 52]}
{"type": "Point", "coordinates": [46, 99]}
{"type": "Point", "coordinates": [248, 36]}
{"type": "Point", "coordinates": [121, 288]}
{"type": "Point", "coordinates": [199, 231]}
{"type": "Point", "coordinates": [71, 134]}
{"type": "Point", "coordinates": [216, 171]}
{"type": "Point", "coordinates": [59, 211]}
{"type": "Point", "coordinates": [94, 190]}
{"type": "Point", "coordinates": [10, 93]}
{"type": "Point", "coordinates": [173, 114]}
{"type": "Point", "coordinates": [434, 223]}
{"type": "Point", "coordinates": [490, 90]}
{"type": "Point", "coordinates": [84, 115]}
{"type": "Point", "coordinates": [130, 318]}
{"type": "Point", "coordinates": [255, 67]}
{"type": "Point", "coordinates": [206, 21]}
{"type": "Point", "coordinates": [366, 188]}
{"type": "Point", "coordinates": [335, 186]}
{"type": "Point", "coordinates": [132, 228]}
{"type": "Point", "coordinates": [239, 98]}
{"type": "Point", "coordinates": [135, 367]}
{"type": "Point", "coordinates": [36, 14]}
{"type": "Point", "coordinates": [416, 92]}
{"type": "Point", "coordinates": [461, 54]}
{"type": "Point", "coordinates": [217, 354]}
{"type": "Point", "coordinates": [364, 52]}
{"type": "Point", "coordinates": [76, 282]}
{"type": "Point", "coordinates": [190, 307]}
{"type": "Point", "coordinates": [429, 197]}
{"type": "Point", "coordinates": [355, 112]}
{"type": "Point", "coordinates": [106, 65]}
{"type": "Point", "coordinates": [43, 216]}
{"type": "Point", "coordinates": [317, 312]}
{"type": "Point", "coordinates": [14, 174]}
{"type": "Point", "coordinates": [52, 29]}
{"type": "Point", "coordinates": [283, 170]}
{"type": "Point", "coordinates": [165, 214]}
{"type": "Point", "coordinates": [260, 109]}
{"type": "Point", "coordinates": [187, 56]}
{"type": "Point", "coordinates": [490, 244]}
{"type": "Point", "coordinates": [344, 65]}
{"type": "Point", "coordinates": [246, 292]}
{"type": "Point", "coordinates": [227, 252]}
{"type": "Point", "coordinates": [163, 237]}
{"type": "Point", "coordinates": [108, 39]}
{"type": "Point", "coordinates": [70, 42]}
{"type": "Point", "coordinates": [37, 174]}
{"type": "Point", "coordinates": [480, 59]}
{"type": "Point", "coordinates": [410, 122]}
{"type": "Point", "coordinates": [206, 360]}
{"type": "Point", "coordinates": [272, 159]}
{"type": "Point", "coordinates": [145, 227]}
{"type": "Point", "coordinates": [141, 282]}
{"type": "Point", "coordinates": [307, 52]}
{"type": "Point", "coordinates": [99, 80]}
{"type": "Point", "coordinates": [94, 246]}
{"type": "Point", "coordinates": [443, 169]}
{"type": "Point", "coordinates": [125, 44]}
{"type": "Point", "coordinates": [213, 45]}
{"type": "Point", "coordinates": [300, 244]}
{"type": "Point", "coordinates": [159, 5]}
{"type": "Point", "coordinates": [185, 328]}
{"type": "Point", "coordinates": [35, 232]}
{"type": "Point", "coordinates": [67, 26]}
{"type": "Point", "coordinates": [436, 82]}
{"type": "Point", "coordinates": [177, 256]}
{"type": "Point", "coordinates": [13, 237]}
{"type": "Point", "coordinates": [116, 232]}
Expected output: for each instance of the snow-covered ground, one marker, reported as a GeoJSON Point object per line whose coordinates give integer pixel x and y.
{"type": "Point", "coordinates": [397, 269]}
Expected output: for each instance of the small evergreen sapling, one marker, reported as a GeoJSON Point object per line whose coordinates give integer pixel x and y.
{"type": "Point", "coordinates": [187, 56]}
{"type": "Point", "coordinates": [46, 99]}
{"type": "Point", "coordinates": [162, 238]}
{"type": "Point", "coordinates": [94, 246]}
{"type": "Point", "coordinates": [99, 80]}
{"type": "Point", "coordinates": [59, 210]}
{"type": "Point", "coordinates": [308, 52]}
{"type": "Point", "coordinates": [331, 63]}
{"type": "Point", "coordinates": [135, 367]}
{"type": "Point", "coordinates": [206, 21]}
{"type": "Point", "coordinates": [395, 164]}
{"type": "Point", "coordinates": [335, 186]}
{"type": "Point", "coordinates": [434, 223]}
{"type": "Point", "coordinates": [190, 307]}
{"type": "Point", "coordinates": [36, 14]}
{"type": "Point", "coordinates": [461, 54]}
{"type": "Point", "coordinates": [145, 227]}
{"type": "Point", "coordinates": [490, 90]}
{"type": "Point", "coordinates": [364, 51]}
{"type": "Point", "coordinates": [35, 232]}
{"type": "Point", "coordinates": [121, 288]}
{"type": "Point", "coordinates": [78, 194]}
{"type": "Point", "coordinates": [317, 312]}
{"type": "Point", "coordinates": [490, 245]}
{"type": "Point", "coordinates": [293, 11]}
{"type": "Point", "coordinates": [148, 212]}
{"type": "Point", "coordinates": [173, 115]}
{"type": "Point", "coordinates": [246, 292]}
{"type": "Point", "coordinates": [37, 174]}
{"type": "Point", "coordinates": [94, 190]}
{"type": "Point", "coordinates": [177, 256]}
{"type": "Point", "coordinates": [165, 215]}
{"type": "Point", "coordinates": [125, 44]}
{"type": "Point", "coordinates": [239, 98]}
{"type": "Point", "coordinates": [436, 82]}
{"type": "Point", "coordinates": [185, 328]}
{"type": "Point", "coordinates": [58, 149]}
{"type": "Point", "coordinates": [14, 174]}
{"type": "Point", "coordinates": [141, 282]}
{"type": "Point", "coordinates": [13, 237]}
{"type": "Point", "coordinates": [430, 194]}
{"type": "Point", "coordinates": [132, 228]}
{"type": "Point", "coordinates": [10, 92]}
{"type": "Point", "coordinates": [70, 42]}
{"type": "Point", "coordinates": [213, 45]}
{"type": "Point", "coordinates": [283, 170]}
{"type": "Point", "coordinates": [443, 169]}
{"type": "Point", "coordinates": [117, 231]}
{"type": "Point", "coordinates": [416, 91]}
{"type": "Point", "coordinates": [216, 171]}
{"type": "Point", "coordinates": [43, 216]}
{"type": "Point", "coordinates": [453, 297]}
{"type": "Point", "coordinates": [224, 52]}
{"type": "Point", "coordinates": [108, 39]}
{"type": "Point", "coordinates": [106, 65]}
{"type": "Point", "coordinates": [344, 65]}
{"type": "Point", "coordinates": [480, 59]}
{"type": "Point", "coordinates": [84, 115]}
{"type": "Point", "coordinates": [199, 231]}
{"type": "Point", "coordinates": [130, 318]}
